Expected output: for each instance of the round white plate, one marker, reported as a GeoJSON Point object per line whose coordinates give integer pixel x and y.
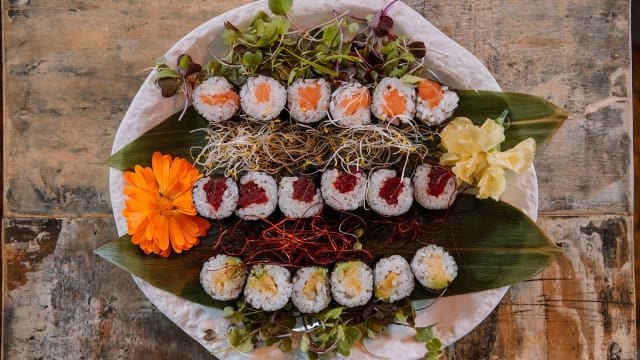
{"type": "Point", "coordinates": [453, 65]}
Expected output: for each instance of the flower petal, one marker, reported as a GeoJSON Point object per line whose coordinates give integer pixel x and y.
{"type": "Point", "coordinates": [161, 232]}
{"type": "Point", "coordinates": [492, 183]}
{"type": "Point", "coordinates": [468, 170]}
{"type": "Point", "coordinates": [161, 166]}
{"type": "Point", "coordinates": [517, 158]}
{"type": "Point", "coordinates": [492, 135]}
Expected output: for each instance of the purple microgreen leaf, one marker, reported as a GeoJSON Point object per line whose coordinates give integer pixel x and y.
{"type": "Point", "coordinates": [229, 26]}
{"type": "Point", "coordinates": [169, 86]}
{"type": "Point", "coordinates": [385, 22]}
{"type": "Point", "coordinates": [418, 49]}
{"type": "Point", "coordinates": [193, 69]}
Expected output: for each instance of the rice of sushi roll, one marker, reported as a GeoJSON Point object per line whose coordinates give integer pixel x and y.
{"type": "Point", "coordinates": [393, 279]}
{"type": "Point", "coordinates": [394, 101]}
{"type": "Point", "coordinates": [308, 99]}
{"type": "Point", "coordinates": [311, 289]}
{"type": "Point", "coordinates": [258, 196]}
{"type": "Point", "coordinates": [343, 190]}
{"type": "Point", "coordinates": [268, 287]}
{"type": "Point", "coordinates": [388, 193]}
{"type": "Point", "coordinates": [215, 197]}
{"type": "Point", "coordinates": [223, 277]}
{"type": "Point", "coordinates": [262, 97]}
{"type": "Point", "coordinates": [351, 283]}
{"type": "Point", "coordinates": [434, 187]}
{"type": "Point", "coordinates": [351, 105]}
{"type": "Point", "coordinates": [434, 103]}
{"type": "Point", "coordinates": [215, 99]}
{"type": "Point", "coordinates": [434, 268]}
{"type": "Point", "coordinates": [299, 197]}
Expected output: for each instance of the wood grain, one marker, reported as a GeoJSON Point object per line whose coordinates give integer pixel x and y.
{"type": "Point", "coordinates": [72, 68]}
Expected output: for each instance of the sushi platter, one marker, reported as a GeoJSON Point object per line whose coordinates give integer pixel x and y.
{"type": "Point", "coordinates": [319, 165]}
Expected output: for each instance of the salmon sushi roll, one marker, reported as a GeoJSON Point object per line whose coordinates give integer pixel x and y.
{"type": "Point", "coordinates": [258, 196]}
{"type": "Point", "coordinates": [268, 287]}
{"type": "Point", "coordinates": [215, 197]}
{"type": "Point", "coordinates": [435, 103]}
{"type": "Point", "coordinates": [311, 292]}
{"type": "Point", "coordinates": [434, 187]}
{"type": "Point", "coordinates": [263, 98]}
{"type": "Point", "coordinates": [434, 268]}
{"type": "Point", "coordinates": [388, 193]}
{"type": "Point", "coordinates": [215, 99]}
{"type": "Point", "coordinates": [352, 283]}
{"type": "Point", "coordinates": [393, 279]}
{"type": "Point", "coordinates": [299, 197]}
{"type": "Point", "coordinates": [223, 277]}
{"type": "Point", "coordinates": [351, 105]}
{"type": "Point", "coordinates": [394, 101]}
{"type": "Point", "coordinates": [343, 190]}
{"type": "Point", "coordinates": [308, 100]}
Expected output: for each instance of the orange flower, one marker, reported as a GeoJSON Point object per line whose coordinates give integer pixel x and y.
{"type": "Point", "coordinates": [159, 209]}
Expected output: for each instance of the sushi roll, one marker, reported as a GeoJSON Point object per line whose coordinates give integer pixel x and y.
{"type": "Point", "coordinates": [215, 99]}
{"type": "Point", "coordinates": [223, 277]}
{"type": "Point", "coordinates": [394, 101]}
{"type": "Point", "coordinates": [343, 190]}
{"type": "Point", "coordinates": [388, 193]}
{"type": "Point", "coordinates": [299, 197]}
{"type": "Point", "coordinates": [351, 283]}
{"type": "Point", "coordinates": [215, 197]}
{"type": "Point", "coordinates": [351, 105]}
{"type": "Point", "coordinates": [311, 289]}
{"type": "Point", "coordinates": [262, 98]}
{"type": "Point", "coordinates": [308, 99]}
{"type": "Point", "coordinates": [434, 187]}
{"type": "Point", "coordinates": [434, 103]}
{"type": "Point", "coordinates": [393, 279]}
{"type": "Point", "coordinates": [268, 287]}
{"type": "Point", "coordinates": [258, 196]}
{"type": "Point", "coordinates": [434, 268]}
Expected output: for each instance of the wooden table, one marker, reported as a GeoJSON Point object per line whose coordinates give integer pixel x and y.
{"type": "Point", "coordinates": [72, 67]}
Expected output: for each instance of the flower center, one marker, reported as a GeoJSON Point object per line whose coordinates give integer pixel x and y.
{"type": "Point", "coordinates": [165, 206]}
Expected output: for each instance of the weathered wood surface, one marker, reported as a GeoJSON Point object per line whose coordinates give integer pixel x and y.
{"type": "Point", "coordinates": [71, 69]}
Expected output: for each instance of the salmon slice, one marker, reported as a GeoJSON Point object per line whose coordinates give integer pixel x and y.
{"type": "Point", "coordinates": [309, 96]}
{"type": "Point", "coordinates": [394, 103]}
{"type": "Point", "coordinates": [430, 91]}
{"type": "Point", "coordinates": [360, 101]}
{"type": "Point", "coordinates": [263, 92]}
{"type": "Point", "coordinates": [222, 98]}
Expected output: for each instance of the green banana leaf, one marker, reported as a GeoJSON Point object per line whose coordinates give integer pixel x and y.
{"type": "Point", "coordinates": [529, 116]}
{"type": "Point", "coordinates": [493, 243]}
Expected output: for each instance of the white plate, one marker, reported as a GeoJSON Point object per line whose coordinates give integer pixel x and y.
{"type": "Point", "coordinates": [455, 66]}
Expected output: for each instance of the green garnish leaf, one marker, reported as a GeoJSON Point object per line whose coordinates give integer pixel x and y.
{"type": "Point", "coordinates": [305, 342]}
{"type": "Point", "coordinates": [227, 312]}
{"type": "Point", "coordinates": [332, 313]}
{"type": "Point", "coordinates": [280, 7]}
{"type": "Point", "coordinates": [424, 334]}
{"type": "Point", "coordinates": [434, 345]}
{"type": "Point", "coordinates": [410, 79]}
{"type": "Point", "coordinates": [330, 34]}
{"type": "Point", "coordinates": [260, 15]}
{"type": "Point", "coordinates": [285, 345]}
{"type": "Point", "coordinates": [353, 334]}
{"type": "Point", "coordinates": [230, 36]}
{"type": "Point", "coordinates": [353, 28]}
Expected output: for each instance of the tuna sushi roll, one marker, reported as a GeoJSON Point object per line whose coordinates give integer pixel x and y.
{"type": "Point", "coordinates": [394, 101]}
{"type": "Point", "coordinates": [434, 103]}
{"type": "Point", "coordinates": [299, 197]}
{"type": "Point", "coordinates": [262, 98]}
{"type": "Point", "coordinates": [351, 283]}
{"type": "Point", "coordinates": [343, 190]}
{"type": "Point", "coordinates": [222, 277]}
{"type": "Point", "coordinates": [388, 193]}
{"type": "Point", "coordinates": [434, 268]}
{"type": "Point", "coordinates": [268, 287]}
{"type": "Point", "coordinates": [311, 289]}
{"type": "Point", "coordinates": [215, 99]}
{"type": "Point", "coordinates": [258, 196]}
{"type": "Point", "coordinates": [393, 279]}
{"type": "Point", "coordinates": [351, 105]}
{"type": "Point", "coordinates": [215, 197]}
{"type": "Point", "coordinates": [308, 99]}
{"type": "Point", "coordinates": [434, 187]}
